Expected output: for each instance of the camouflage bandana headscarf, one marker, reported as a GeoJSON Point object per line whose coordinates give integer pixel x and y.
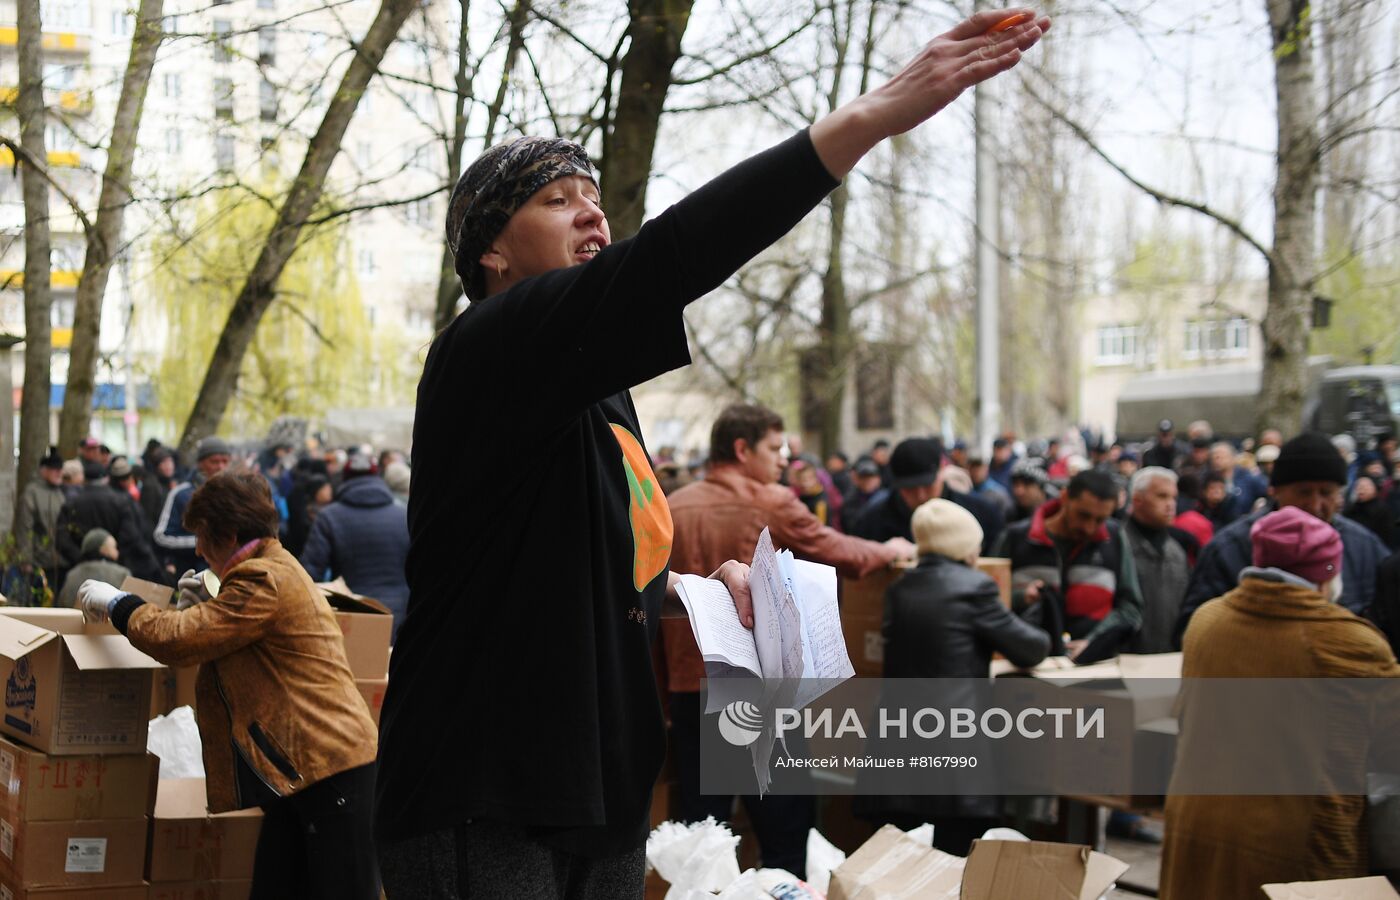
{"type": "Point", "coordinates": [494, 187]}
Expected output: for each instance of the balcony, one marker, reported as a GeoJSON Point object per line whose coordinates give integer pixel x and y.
{"type": "Point", "coordinates": [13, 279]}
{"type": "Point", "coordinates": [57, 41]}
{"type": "Point", "coordinates": [71, 101]}
{"type": "Point", "coordinates": [58, 159]}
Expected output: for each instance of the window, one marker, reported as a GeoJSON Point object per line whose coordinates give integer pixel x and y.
{"type": "Point", "coordinates": [121, 23]}
{"type": "Point", "coordinates": [59, 138]}
{"type": "Point", "coordinates": [1216, 338]}
{"type": "Point", "coordinates": [223, 98]}
{"type": "Point", "coordinates": [1123, 345]}
{"type": "Point", "coordinates": [62, 312]}
{"type": "Point", "coordinates": [417, 212]}
{"type": "Point", "coordinates": [223, 51]}
{"type": "Point", "coordinates": [67, 15]}
{"type": "Point", "coordinates": [364, 154]}
{"type": "Point", "coordinates": [224, 152]}
{"type": "Point", "coordinates": [364, 263]}
{"type": "Point", "coordinates": [173, 141]}
{"type": "Point", "coordinates": [58, 77]}
{"type": "Point", "coordinates": [267, 4]}
{"type": "Point", "coordinates": [172, 85]}
{"type": "Point", "coordinates": [267, 101]}
{"type": "Point", "coordinates": [170, 24]}
{"type": "Point", "coordinates": [267, 47]}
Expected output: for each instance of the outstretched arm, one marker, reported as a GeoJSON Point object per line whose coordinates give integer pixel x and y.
{"type": "Point", "coordinates": [970, 53]}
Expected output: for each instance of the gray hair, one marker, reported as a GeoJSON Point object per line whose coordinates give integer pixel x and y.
{"type": "Point", "coordinates": [1143, 478]}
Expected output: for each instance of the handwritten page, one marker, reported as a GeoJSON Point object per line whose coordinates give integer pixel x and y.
{"type": "Point", "coordinates": [777, 623]}
{"type": "Point", "coordinates": [722, 637]}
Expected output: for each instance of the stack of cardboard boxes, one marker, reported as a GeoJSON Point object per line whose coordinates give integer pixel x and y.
{"type": "Point", "coordinates": [76, 783]}
{"type": "Point", "coordinates": [368, 626]}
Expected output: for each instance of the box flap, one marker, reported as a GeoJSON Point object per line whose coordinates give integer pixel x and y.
{"type": "Point", "coordinates": [104, 651]}
{"type": "Point", "coordinates": [1036, 870]}
{"type": "Point", "coordinates": [339, 596]}
{"type": "Point", "coordinates": [18, 638]}
{"type": "Point", "coordinates": [149, 591]}
{"type": "Point", "coordinates": [1373, 888]}
{"type": "Point", "coordinates": [63, 621]}
{"type": "Point", "coordinates": [185, 798]}
{"type": "Point", "coordinates": [1150, 665]}
{"type": "Point", "coordinates": [893, 866]}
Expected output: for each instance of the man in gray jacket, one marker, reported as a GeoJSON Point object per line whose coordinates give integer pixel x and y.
{"type": "Point", "coordinates": [36, 526]}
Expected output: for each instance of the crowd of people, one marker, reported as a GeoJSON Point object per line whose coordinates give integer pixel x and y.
{"type": "Point", "coordinates": [522, 730]}
{"type": "Point", "coordinates": [342, 512]}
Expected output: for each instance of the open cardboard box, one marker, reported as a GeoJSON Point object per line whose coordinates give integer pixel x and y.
{"type": "Point", "coordinates": [893, 866]}
{"type": "Point", "coordinates": [73, 693]}
{"type": "Point", "coordinates": [1036, 870]}
{"type": "Point", "coordinates": [1374, 888]}
{"type": "Point", "coordinates": [188, 844]}
{"type": "Point", "coordinates": [367, 625]}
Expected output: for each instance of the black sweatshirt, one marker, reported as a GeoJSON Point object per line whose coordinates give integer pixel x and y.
{"type": "Point", "coordinates": [521, 688]}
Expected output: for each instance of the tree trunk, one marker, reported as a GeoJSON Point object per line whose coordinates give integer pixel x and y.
{"type": "Point", "coordinates": [38, 336]}
{"type": "Point", "coordinates": [105, 238]}
{"type": "Point", "coordinates": [259, 289]}
{"type": "Point", "coordinates": [449, 285]}
{"type": "Point", "coordinates": [834, 330]}
{"type": "Point", "coordinates": [655, 28]}
{"type": "Point", "coordinates": [1292, 268]}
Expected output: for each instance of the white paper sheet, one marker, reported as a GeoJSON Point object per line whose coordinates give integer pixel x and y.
{"type": "Point", "coordinates": [721, 636]}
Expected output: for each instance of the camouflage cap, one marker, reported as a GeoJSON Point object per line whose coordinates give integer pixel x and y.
{"type": "Point", "coordinates": [494, 187]}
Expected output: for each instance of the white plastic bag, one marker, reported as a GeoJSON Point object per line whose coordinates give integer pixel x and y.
{"type": "Point", "coordinates": [823, 858]}
{"type": "Point", "coordinates": [175, 739]}
{"type": "Point", "coordinates": [702, 856]}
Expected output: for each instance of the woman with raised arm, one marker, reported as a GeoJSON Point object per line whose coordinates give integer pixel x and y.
{"type": "Point", "coordinates": [522, 730]}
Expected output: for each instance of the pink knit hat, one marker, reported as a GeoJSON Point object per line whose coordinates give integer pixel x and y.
{"type": "Point", "coordinates": [1297, 542]}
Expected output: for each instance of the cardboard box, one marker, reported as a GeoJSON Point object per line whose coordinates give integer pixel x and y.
{"type": "Point", "coordinates": [81, 853]}
{"type": "Point", "coordinates": [894, 866]}
{"type": "Point", "coordinates": [188, 844]}
{"type": "Point", "coordinates": [1000, 571]}
{"type": "Point", "coordinates": [1036, 870]}
{"type": "Point", "coordinates": [10, 890]}
{"type": "Point", "coordinates": [63, 621]}
{"type": "Point", "coordinates": [203, 890]}
{"type": "Point", "coordinates": [367, 625]}
{"type": "Point", "coordinates": [1374, 888]}
{"type": "Point", "coordinates": [372, 689]}
{"type": "Point", "coordinates": [863, 617]}
{"type": "Point", "coordinates": [37, 787]}
{"type": "Point", "coordinates": [73, 693]}
{"type": "Point", "coordinates": [172, 689]}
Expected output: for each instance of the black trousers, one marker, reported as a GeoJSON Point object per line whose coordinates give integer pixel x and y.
{"type": "Point", "coordinates": [780, 821]}
{"type": "Point", "coordinates": [318, 844]}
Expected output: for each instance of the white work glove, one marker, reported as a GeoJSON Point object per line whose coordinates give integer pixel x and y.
{"type": "Point", "coordinates": [192, 590]}
{"type": "Point", "coordinates": [95, 599]}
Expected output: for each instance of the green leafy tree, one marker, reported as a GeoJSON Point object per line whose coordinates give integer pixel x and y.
{"type": "Point", "coordinates": [315, 349]}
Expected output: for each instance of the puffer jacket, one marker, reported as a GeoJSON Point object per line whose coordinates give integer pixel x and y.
{"type": "Point", "coordinates": [274, 689]}
{"type": "Point", "coordinates": [363, 538]}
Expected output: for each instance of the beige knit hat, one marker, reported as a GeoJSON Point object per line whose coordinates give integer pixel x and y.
{"type": "Point", "coordinates": [943, 527]}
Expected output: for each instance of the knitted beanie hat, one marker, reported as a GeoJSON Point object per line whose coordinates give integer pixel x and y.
{"type": "Point", "coordinates": [1308, 457]}
{"type": "Point", "coordinates": [943, 527]}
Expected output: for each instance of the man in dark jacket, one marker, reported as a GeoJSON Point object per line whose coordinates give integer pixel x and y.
{"type": "Point", "coordinates": [1310, 475]}
{"type": "Point", "coordinates": [363, 538]}
{"type": "Point", "coordinates": [1167, 452]}
{"type": "Point", "coordinates": [98, 506]}
{"type": "Point", "coordinates": [1162, 554]}
{"type": "Point", "coordinates": [36, 525]}
{"type": "Point", "coordinates": [916, 469]}
{"type": "Point", "coordinates": [175, 543]}
{"type": "Point", "coordinates": [1073, 573]}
